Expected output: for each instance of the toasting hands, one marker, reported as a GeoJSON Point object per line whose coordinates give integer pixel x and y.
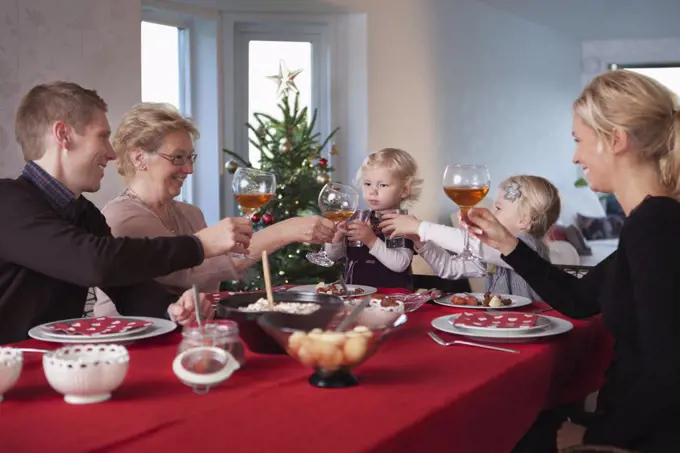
{"type": "Point", "coordinates": [483, 225]}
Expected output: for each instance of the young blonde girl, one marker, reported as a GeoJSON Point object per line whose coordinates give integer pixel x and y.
{"type": "Point", "coordinates": [388, 182]}
{"type": "Point", "coordinates": [528, 206]}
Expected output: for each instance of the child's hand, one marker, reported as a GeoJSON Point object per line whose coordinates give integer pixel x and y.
{"type": "Point", "coordinates": [417, 243]}
{"type": "Point", "coordinates": [399, 225]}
{"type": "Point", "coordinates": [361, 231]}
{"type": "Point", "coordinates": [340, 232]}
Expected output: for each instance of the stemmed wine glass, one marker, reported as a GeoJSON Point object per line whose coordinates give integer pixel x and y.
{"type": "Point", "coordinates": [467, 185]}
{"type": "Point", "coordinates": [337, 203]}
{"type": "Point", "coordinates": [253, 189]}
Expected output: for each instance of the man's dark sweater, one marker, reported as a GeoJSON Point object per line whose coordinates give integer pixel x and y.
{"type": "Point", "coordinates": [52, 249]}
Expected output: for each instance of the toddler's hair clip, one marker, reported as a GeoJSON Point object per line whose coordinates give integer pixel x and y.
{"type": "Point", "coordinates": [512, 191]}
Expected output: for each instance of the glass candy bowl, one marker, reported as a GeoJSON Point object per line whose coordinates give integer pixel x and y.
{"type": "Point", "coordinates": [332, 355]}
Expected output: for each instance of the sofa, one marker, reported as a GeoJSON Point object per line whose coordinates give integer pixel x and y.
{"type": "Point", "coordinates": [589, 224]}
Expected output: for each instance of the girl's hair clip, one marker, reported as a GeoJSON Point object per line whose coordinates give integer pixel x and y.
{"type": "Point", "coordinates": [512, 191]}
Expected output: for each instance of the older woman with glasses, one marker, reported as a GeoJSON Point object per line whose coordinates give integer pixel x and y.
{"type": "Point", "coordinates": [155, 154]}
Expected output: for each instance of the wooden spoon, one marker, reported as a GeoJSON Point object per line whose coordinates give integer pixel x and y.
{"type": "Point", "coordinates": [267, 279]}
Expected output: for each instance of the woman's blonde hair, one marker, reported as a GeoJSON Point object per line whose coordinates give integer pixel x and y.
{"type": "Point", "coordinates": [642, 107]}
{"type": "Point", "coordinates": [145, 127]}
{"type": "Point", "coordinates": [399, 162]}
{"type": "Point", "coordinates": [538, 197]}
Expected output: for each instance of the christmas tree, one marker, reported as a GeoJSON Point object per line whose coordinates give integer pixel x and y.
{"type": "Point", "coordinates": [291, 150]}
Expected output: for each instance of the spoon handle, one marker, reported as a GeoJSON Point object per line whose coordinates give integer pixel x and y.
{"type": "Point", "coordinates": [353, 315]}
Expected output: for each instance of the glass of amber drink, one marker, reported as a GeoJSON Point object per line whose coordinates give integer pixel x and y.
{"type": "Point", "coordinates": [337, 202]}
{"type": "Point", "coordinates": [253, 189]}
{"type": "Point", "coordinates": [466, 185]}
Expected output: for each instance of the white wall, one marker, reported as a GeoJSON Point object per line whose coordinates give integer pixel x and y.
{"type": "Point", "coordinates": [459, 81]}
{"type": "Point", "coordinates": [449, 81]}
{"type": "Point", "coordinates": [598, 55]}
{"type": "Point", "coordinates": [95, 43]}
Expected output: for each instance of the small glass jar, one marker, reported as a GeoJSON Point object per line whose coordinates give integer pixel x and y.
{"type": "Point", "coordinates": [221, 333]}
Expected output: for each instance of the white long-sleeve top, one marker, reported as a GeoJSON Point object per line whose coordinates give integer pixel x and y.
{"type": "Point", "coordinates": [396, 259]}
{"type": "Point", "coordinates": [440, 240]}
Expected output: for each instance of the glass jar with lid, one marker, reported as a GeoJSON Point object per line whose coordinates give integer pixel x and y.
{"type": "Point", "coordinates": [221, 333]}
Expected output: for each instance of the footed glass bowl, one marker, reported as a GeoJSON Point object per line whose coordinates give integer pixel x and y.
{"type": "Point", "coordinates": [332, 355]}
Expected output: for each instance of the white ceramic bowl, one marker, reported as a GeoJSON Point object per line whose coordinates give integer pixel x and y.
{"type": "Point", "coordinates": [11, 362]}
{"type": "Point", "coordinates": [86, 373]}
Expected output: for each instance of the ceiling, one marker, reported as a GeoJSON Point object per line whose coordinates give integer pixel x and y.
{"type": "Point", "coordinates": [600, 19]}
{"type": "Point", "coordinates": [580, 19]}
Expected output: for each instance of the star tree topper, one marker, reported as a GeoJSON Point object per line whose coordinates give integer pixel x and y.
{"type": "Point", "coordinates": [285, 79]}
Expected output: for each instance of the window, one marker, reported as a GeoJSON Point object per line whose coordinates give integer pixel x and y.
{"type": "Point", "coordinates": [264, 60]}
{"type": "Point", "coordinates": [164, 71]}
{"type": "Point", "coordinates": [668, 75]}
{"type": "Point", "coordinates": [161, 63]}
{"type": "Point", "coordinates": [260, 50]}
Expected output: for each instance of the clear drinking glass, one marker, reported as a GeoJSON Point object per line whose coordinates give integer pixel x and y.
{"type": "Point", "coordinates": [253, 189]}
{"type": "Point", "coordinates": [337, 202]}
{"type": "Point", "coordinates": [467, 185]}
{"type": "Point", "coordinates": [397, 241]}
{"type": "Point", "coordinates": [359, 216]}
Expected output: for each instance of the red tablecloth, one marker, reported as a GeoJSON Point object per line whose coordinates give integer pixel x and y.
{"type": "Point", "coordinates": [415, 395]}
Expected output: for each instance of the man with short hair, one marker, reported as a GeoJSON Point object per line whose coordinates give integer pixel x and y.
{"type": "Point", "coordinates": [55, 244]}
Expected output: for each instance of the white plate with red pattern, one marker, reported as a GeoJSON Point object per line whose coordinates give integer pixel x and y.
{"type": "Point", "coordinates": [157, 326]}
{"type": "Point", "coordinates": [100, 327]}
{"type": "Point", "coordinates": [555, 326]}
{"type": "Point", "coordinates": [500, 322]}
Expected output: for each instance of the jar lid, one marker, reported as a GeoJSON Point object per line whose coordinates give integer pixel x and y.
{"type": "Point", "coordinates": [204, 366]}
{"type": "Point", "coordinates": [213, 328]}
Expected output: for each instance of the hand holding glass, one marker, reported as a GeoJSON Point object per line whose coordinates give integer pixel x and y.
{"type": "Point", "coordinates": [253, 189]}
{"type": "Point", "coordinates": [337, 202]}
{"type": "Point", "coordinates": [466, 185]}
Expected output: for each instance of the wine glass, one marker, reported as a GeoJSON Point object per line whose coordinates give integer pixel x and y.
{"type": "Point", "coordinates": [337, 203]}
{"type": "Point", "coordinates": [467, 185]}
{"type": "Point", "coordinates": [253, 189]}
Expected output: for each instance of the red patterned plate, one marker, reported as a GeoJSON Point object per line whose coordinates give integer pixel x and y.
{"type": "Point", "coordinates": [505, 322]}
{"type": "Point", "coordinates": [104, 326]}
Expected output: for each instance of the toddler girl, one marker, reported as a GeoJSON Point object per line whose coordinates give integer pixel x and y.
{"type": "Point", "coordinates": [388, 181]}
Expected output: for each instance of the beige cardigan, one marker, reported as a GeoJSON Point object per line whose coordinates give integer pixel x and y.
{"type": "Point", "coordinates": [128, 217]}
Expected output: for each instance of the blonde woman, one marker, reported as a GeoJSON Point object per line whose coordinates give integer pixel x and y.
{"type": "Point", "coordinates": [155, 153]}
{"type": "Point", "coordinates": [528, 206]}
{"type": "Point", "coordinates": [388, 179]}
{"type": "Point", "coordinates": [627, 132]}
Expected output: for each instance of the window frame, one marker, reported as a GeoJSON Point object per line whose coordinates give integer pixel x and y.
{"type": "Point", "coordinates": [316, 33]}
{"type": "Point", "coordinates": [614, 66]}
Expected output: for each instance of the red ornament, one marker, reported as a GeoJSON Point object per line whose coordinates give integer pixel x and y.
{"type": "Point", "coordinates": [323, 162]}
{"type": "Point", "coordinates": [267, 219]}
{"type": "Point", "coordinates": [255, 217]}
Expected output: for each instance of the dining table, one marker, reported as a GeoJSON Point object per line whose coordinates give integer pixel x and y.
{"type": "Point", "coordinates": [414, 396]}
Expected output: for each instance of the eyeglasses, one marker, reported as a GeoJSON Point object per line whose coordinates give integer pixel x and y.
{"type": "Point", "coordinates": [178, 159]}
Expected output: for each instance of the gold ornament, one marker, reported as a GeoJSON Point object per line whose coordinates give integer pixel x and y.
{"type": "Point", "coordinates": [323, 179]}
{"type": "Point", "coordinates": [334, 150]}
{"type": "Point", "coordinates": [231, 166]}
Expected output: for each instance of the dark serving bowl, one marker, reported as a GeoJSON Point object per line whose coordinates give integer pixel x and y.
{"type": "Point", "coordinates": [251, 332]}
